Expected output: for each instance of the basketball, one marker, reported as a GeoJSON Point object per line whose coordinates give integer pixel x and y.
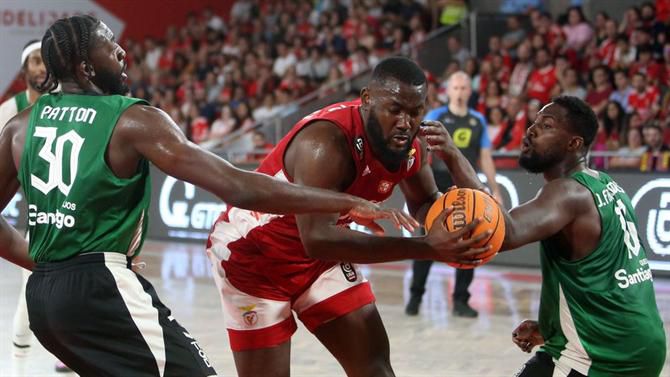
{"type": "Point", "coordinates": [468, 205]}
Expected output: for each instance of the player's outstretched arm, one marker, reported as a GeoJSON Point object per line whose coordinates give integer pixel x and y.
{"type": "Point", "coordinates": [556, 205]}
{"type": "Point", "coordinates": [154, 135]}
{"type": "Point", "coordinates": [13, 247]}
{"type": "Point", "coordinates": [319, 157]}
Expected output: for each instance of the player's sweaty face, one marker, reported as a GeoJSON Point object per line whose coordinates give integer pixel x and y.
{"type": "Point", "coordinates": [395, 114]}
{"type": "Point", "coordinates": [108, 60]}
{"type": "Point", "coordinates": [544, 145]}
{"type": "Point", "coordinates": [35, 70]}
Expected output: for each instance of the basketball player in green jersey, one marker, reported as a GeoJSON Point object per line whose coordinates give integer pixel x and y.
{"type": "Point", "coordinates": [34, 73]}
{"type": "Point", "coordinates": [82, 158]}
{"type": "Point", "coordinates": [598, 315]}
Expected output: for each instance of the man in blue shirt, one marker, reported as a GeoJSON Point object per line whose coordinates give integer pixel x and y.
{"type": "Point", "coordinates": [468, 130]}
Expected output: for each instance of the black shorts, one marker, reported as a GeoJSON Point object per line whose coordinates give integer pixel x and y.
{"type": "Point", "coordinates": [101, 319]}
{"type": "Point", "coordinates": [542, 365]}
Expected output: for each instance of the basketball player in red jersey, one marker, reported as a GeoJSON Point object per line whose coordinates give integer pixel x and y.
{"type": "Point", "coordinates": [269, 266]}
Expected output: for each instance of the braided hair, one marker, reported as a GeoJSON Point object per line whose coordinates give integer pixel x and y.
{"type": "Point", "coordinates": [64, 45]}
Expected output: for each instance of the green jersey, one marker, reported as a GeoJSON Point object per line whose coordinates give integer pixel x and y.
{"type": "Point", "coordinates": [75, 202]}
{"type": "Point", "coordinates": [598, 315]}
{"type": "Point", "coordinates": [21, 101]}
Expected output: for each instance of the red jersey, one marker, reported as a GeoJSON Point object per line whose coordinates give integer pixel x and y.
{"type": "Point", "coordinates": [643, 102]}
{"type": "Point", "coordinates": [541, 82]}
{"type": "Point", "coordinates": [271, 243]}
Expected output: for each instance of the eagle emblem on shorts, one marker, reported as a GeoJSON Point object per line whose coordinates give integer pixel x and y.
{"type": "Point", "coordinates": [249, 314]}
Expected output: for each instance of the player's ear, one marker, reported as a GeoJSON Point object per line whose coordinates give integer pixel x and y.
{"type": "Point", "coordinates": [86, 69]}
{"type": "Point", "coordinates": [576, 143]}
{"type": "Point", "coordinates": [365, 97]}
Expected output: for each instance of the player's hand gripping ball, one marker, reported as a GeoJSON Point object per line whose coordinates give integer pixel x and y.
{"type": "Point", "coordinates": [468, 205]}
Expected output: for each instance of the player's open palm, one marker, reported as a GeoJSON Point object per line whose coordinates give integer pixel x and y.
{"type": "Point", "coordinates": [455, 247]}
{"type": "Point", "coordinates": [527, 335]}
{"type": "Point", "coordinates": [367, 213]}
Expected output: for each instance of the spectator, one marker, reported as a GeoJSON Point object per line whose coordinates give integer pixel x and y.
{"type": "Point", "coordinates": [646, 65]}
{"type": "Point", "coordinates": [509, 137]}
{"type": "Point", "coordinates": [578, 32]}
{"type": "Point", "coordinates": [624, 54]}
{"type": "Point", "coordinates": [521, 71]}
{"type": "Point", "coordinates": [223, 125]}
{"type": "Point", "coordinates": [243, 116]}
{"type": "Point", "coordinates": [260, 146]}
{"type": "Point", "coordinates": [656, 157]}
{"type": "Point", "coordinates": [570, 84]}
{"type": "Point", "coordinates": [614, 124]}
{"type": "Point", "coordinates": [267, 110]}
{"type": "Point", "coordinates": [601, 88]}
{"type": "Point", "coordinates": [493, 97]}
{"type": "Point", "coordinates": [284, 60]}
{"type": "Point", "coordinates": [622, 91]}
{"type": "Point", "coordinates": [543, 78]}
{"type": "Point", "coordinates": [514, 35]}
{"type": "Point", "coordinates": [631, 20]}
{"type": "Point", "coordinates": [607, 47]}
{"type": "Point", "coordinates": [644, 98]}
{"type": "Point", "coordinates": [457, 51]}
{"type": "Point", "coordinates": [600, 27]}
{"type": "Point", "coordinates": [495, 118]}
{"type": "Point", "coordinates": [630, 154]}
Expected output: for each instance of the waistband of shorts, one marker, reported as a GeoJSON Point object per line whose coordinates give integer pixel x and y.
{"type": "Point", "coordinates": [104, 258]}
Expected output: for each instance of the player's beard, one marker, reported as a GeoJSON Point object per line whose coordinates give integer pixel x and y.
{"type": "Point", "coordinates": [110, 82]}
{"type": "Point", "coordinates": [533, 162]}
{"type": "Point", "coordinates": [389, 157]}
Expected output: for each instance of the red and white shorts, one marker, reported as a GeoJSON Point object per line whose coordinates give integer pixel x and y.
{"type": "Point", "coordinates": [265, 319]}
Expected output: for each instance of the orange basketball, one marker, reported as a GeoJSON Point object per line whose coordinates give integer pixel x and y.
{"type": "Point", "coordinates": [468, 205]}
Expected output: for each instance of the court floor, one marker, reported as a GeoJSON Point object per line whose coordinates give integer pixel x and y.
{"type": "Point", "coordinates": [432, 344]}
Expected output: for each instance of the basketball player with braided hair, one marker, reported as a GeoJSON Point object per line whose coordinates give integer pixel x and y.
{"type": "Point", "coordinates": [82, 158]}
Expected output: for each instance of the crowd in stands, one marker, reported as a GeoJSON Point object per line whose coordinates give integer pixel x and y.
{"type": "Point", "coordinates": [621, 67]}
{"type": "Point", "coordinates": [215, 77]}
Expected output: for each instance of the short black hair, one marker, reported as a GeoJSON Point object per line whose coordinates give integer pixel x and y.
{"type": "Point", "coordinates": [580, 117]}
{"type": "Point", "coordinates": [66, 44]}
{"type": "Point", "coordinates": [400, 69]}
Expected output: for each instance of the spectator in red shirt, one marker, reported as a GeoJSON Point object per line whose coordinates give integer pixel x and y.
{"type": "Point", "coordinates": [645, 98]}
{"type": "Point", "coordinates": [607, 47]}
{"type": "Point", "coordinates": [646, 65]}
{"type": "Point", "coordinates": [522, 69]}
{"type": "Point", "coordinates": [495, 48]}
{"type": "Point", "coordinates": [543, 79]}
{"type": "Point", "coordinates": [508, 138]}
{"type": "Point", "coordinates": [601, 89]}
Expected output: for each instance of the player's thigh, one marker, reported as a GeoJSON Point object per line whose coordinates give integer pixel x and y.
{"type": "Point", "coordinates": [268, 362]}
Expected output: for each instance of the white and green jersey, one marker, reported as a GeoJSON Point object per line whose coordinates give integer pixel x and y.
{"type": "Point", "coordinates": [598, 315]}
{"type": "Point", "coordinates": [75, 202]}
